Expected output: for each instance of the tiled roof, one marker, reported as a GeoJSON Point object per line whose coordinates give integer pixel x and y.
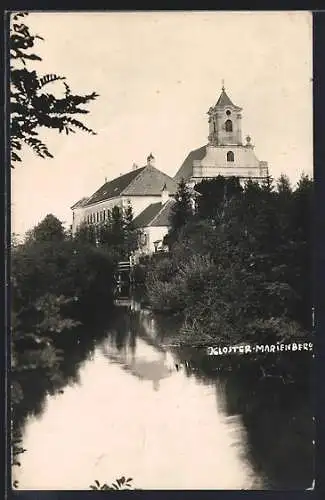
{"type": "Point", "coordinates": [163, 217]}
{"type": "Point", "coordinates": [80, 203]}
{"type": "Point", "coordinates": [114, 188]}
{"type": "Point", "coordinates": [186, 170]}
{"type": "Point", "coordinates": [224, 100]}
{"type": "Point", "coordinates": [156, 214]}
{"type": "Point", "coordinates": [144, 181]}
{"type": "Point", "coordinates": [150, 182]}
{"type": "Point", "coordinates": [145, 217]}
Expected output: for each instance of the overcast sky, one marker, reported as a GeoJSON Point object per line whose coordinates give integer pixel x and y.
{"type": "Point", "coordinates": [157, 74]}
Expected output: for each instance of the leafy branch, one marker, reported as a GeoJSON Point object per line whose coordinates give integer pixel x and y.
{"type": "Point", "coordinates": [32, 104]}
{"type": "Point", "coordinates": [119, 484]}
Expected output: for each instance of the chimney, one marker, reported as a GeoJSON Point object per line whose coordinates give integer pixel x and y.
{"type": "Point", "coordinates": [164, 194]}
{"type": "Point", "coordinates": [151, 160]}
{"type": "Point", "coordinates": [134, 166]}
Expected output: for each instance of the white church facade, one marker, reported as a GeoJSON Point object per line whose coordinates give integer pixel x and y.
{"type": "Point", "coordinates": [225, 154]}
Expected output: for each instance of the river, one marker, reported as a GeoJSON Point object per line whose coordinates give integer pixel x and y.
{"type": "Point", "coordinates": [164, 416]}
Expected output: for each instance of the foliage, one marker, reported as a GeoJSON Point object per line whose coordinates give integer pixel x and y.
{"type": "Point", "coordinates": [213, 194]}
{"type": "Point", "coordinates": [77, 271]}
{"type": "Point", "coordinates": [56, 284]}
{"type": "Point", "coordinates": [181, 212]}
{"type": "Point", "coordinates": [49, 229]}
{"type": "Point", "coordinates": [119, 484]}
{"type": "Point", "coordinates": [36, 101]}
{"type": "Point", "coordinates": [239, 268]}
{"type": "Point", "coordinates": [116, 234]}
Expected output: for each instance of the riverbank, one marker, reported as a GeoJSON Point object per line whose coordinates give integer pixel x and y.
{"type": "Point", "coordinates": [239, 268]}
{"type": "Point", "coordinates": [219, 409]}
{"type": "Point", "coordinates": [59, 285]}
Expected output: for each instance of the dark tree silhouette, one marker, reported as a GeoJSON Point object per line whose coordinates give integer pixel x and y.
{"type": "Point", "coordinates": [32, 105]}
{"type": "Point", "coordinates": [49, 229]}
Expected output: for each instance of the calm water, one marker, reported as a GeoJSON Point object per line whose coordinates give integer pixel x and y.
{"type": "Point", "coordinates": [165, 417]}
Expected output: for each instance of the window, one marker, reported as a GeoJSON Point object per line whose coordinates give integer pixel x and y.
{"type": "Point", "coordinates": [104, 214]}
{"type": "Point", "coordinates": [228, 113]}
{"type": "Point", "coordinates": [228, 125]}
{"type": "Point", "coordinates": [143, 239]}
{"type": "Point", "coordinates": [230, 156]}
{"type": "Point", "coordinates": [97, 217]}
{"type": "Point", "coordinates": [214, 127]}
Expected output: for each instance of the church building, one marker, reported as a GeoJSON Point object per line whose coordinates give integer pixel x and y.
{"type": "Point", "coordinates": [151, 192]}
{"type": "Point", "coordinates": [225, 154]}
{"type": "Point", "coordinates": [141, 187]}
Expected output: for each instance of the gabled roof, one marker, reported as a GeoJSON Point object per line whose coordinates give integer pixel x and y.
{"type": "Point", "coordinates": [186, 170]}
{"type": "Point", "coordinates": [80, 203]}
{"type": "Point", "coordinates": [114, 188]}
{"type": "Point", "coordinates": [225, 101]}
{"type": "Point", "coordinates": [155, 215]}
{"type": "Point", "coordinates": [163, 217]}
{"type": "Point", "coordinates": [144, 181]}
{"type": "Point", "coordinates": [150, 182]}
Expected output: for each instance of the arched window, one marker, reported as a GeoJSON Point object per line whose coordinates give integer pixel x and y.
{"type": "Point", "coordinates": [228, 126]}
{"type": "Point", "coordinates": [230, 156]}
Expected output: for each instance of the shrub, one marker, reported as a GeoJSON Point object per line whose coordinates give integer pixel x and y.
{"type": "Point", "coordinates": [75, 270]}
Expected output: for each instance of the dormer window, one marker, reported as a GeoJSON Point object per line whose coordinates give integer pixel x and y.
{"type": "Point", "coordinates": [230, 156]}
{"type": "Point", "coordinates": [228, 126]}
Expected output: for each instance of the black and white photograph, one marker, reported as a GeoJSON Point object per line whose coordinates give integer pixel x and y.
{"type": "Point", "coordinates": [162, 310]}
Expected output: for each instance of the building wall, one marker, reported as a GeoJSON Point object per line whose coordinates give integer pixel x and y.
{"type": "Point", "coordinates": [153, 234]}
{"type": "Point", "coordinates": [138, 203]}
{"type": "Point", "coordinates": [77, 218]}
{"type": "Point", "coordinates": [224, 137]}
{"type": "Point", "coordinates": [215, 163]}
{"type": "Point", "coordinates": [218, 135]}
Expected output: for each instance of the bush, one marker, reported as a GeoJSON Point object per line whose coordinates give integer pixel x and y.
{"type": "Point", "coordinates": [75, 270]}
{"type": "Point", "coordinates": [243, 273]}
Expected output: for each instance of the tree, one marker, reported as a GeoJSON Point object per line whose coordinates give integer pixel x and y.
{"type": "Point", "coordinates": [49, 229]}
{"type": "Point", "coordinates": [213, 194]}
{"type": "Point", "coordinates": [85, 234]}
{"type": "Point", "coordinates": [32, 104]}
{"type": "Point", "coordinates": [181, 212]}
{"type": "Point", "coordinates": [128, 216]}
{"type": "Point", "coordinates": [283, 185]}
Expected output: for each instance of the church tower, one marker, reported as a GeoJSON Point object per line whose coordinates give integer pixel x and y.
{"type": "Point", "coordinates": [225, 154]}
{"type": "Point", "coordinates": [225, 122]}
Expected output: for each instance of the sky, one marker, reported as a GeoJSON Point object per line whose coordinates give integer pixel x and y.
{"type": "Point", "coordinates": [157, 74]}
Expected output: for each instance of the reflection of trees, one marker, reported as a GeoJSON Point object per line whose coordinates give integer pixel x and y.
{"type": "Point", "coordinates": [77, 346]}
{"type": "Point", "coordinates": [270, 392]}
{"type": "Point", "coordinates": [130, 325]}
{"type": "Point", "coordinates": [274, 401]}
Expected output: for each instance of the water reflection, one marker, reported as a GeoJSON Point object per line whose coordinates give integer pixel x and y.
{"type": "Point", "coordinates": [168, 417]}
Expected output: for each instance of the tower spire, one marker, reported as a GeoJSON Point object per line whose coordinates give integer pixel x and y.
{"type": "Point", "coordinates": [223, 84]}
